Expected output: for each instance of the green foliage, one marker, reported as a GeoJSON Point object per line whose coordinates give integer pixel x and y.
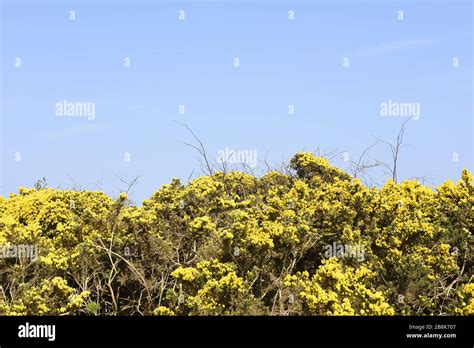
{"type": "Point", "coordinates": [235, 244]}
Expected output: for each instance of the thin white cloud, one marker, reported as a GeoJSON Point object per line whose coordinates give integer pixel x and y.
{"type": "Point", "coordinates": [396, 46]}
{"type": "Point", "coordinates": [73, 131]}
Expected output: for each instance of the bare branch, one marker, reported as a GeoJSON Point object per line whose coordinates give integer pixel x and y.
{"type": "Point", "coordinates": [395, 149]}
{"type": "Point", "coordinates": [200, 148]}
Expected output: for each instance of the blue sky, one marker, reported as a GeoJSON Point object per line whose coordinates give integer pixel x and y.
{"type": "Point", "coordinates": [190, 62]}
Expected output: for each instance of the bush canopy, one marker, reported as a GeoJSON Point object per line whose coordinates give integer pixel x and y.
{"type": "Point", "coordinates": [310, 241]}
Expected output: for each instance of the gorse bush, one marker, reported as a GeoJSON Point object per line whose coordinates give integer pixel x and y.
{"type": "Point", "coordinates": [313, 241]}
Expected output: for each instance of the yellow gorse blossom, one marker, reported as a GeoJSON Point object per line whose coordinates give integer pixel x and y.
{"type": "Point", "coordinates": [237, 244]}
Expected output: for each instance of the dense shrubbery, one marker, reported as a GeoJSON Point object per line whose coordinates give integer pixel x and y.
{"type": "Point", "coordinates": [234, 244]}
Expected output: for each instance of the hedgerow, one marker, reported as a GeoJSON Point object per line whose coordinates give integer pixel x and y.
{"type": "Point", "coordinates": [231, 243]}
